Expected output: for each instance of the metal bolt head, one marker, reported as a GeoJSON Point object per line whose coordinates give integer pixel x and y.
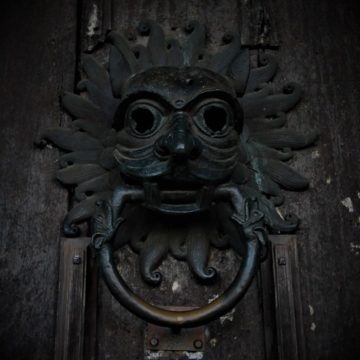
{"type": "Point", "coordinates": [179, 102]}
{"type": "Point", "coordinates": [189, 28]}
{"type": "Point", "coordinates": [198, 344]}
{"type": "Point", "coordinates": [76, 260]}
{"type": "Point", "coordinates": [144, 29]}
{"type": "Point", "coordinates": [228, 38]}
{"type": "Point", "coordinates": [154, 341]}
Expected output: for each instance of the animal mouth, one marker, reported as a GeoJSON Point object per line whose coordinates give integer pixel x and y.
{"type": "Point", "coordinates": [173, 190]}
{"type": "Point", "coordinates": [174, 199]}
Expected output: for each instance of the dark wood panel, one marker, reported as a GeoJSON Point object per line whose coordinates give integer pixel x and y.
{"type": "Point", "coordinates": [37, 63]}
{"type": "Point", "coordinates": [288, 307]}
{"type": "Point", "coordinates": [74, 274]}
{"type": "Point", "coordinates": [321, 49]}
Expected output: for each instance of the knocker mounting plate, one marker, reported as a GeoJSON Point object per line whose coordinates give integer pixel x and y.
{"type": "Point", "coordinates": [165, 339]}
{"type": "Point", "coordinates": [175, 150]}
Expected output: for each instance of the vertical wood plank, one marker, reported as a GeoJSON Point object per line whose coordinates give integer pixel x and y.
{"type": "Point", "coordinates": [267, 299]}
{"type": "Point", "coordinates": [37, 63]}
{"type": "Point", "coordinates": [289, 323]}
{"type": "Point", "coordinates": [320, 50]}
{"type": "Point", "coordinates": [69, 343]}
{"type": "Point", "coordinates": [96, 21]}
{"type": "Point", "coordinates": [258, 27]}
{"type": "Point", "coordinates": [91, 307]}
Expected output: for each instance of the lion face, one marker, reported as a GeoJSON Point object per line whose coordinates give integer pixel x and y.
{"type": "Point", "coordinates": [178, 128]}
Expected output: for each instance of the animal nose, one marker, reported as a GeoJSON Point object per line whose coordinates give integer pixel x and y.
{"type": "Point", "coordinates": [179, 142]}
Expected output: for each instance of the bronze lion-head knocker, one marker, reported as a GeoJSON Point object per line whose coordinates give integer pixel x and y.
{"type": "Point", "coordinates": [172, 137]}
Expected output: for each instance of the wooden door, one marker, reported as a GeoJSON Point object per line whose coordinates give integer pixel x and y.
{"type": "Point", "coordinates": [316, 44]}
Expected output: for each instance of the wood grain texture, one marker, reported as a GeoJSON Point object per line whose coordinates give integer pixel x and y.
{"type": "Point", "coordinates": [288, 307]}
{"type": "Point", "coordinates": [320, 49]}
{"type": "Point", "coordinates": [73, 276]}
{"type": "Point", "coordinates": [36, 65]}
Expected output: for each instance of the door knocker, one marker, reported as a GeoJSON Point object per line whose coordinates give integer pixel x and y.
{"type": "Point", "coordinates": [172, 135]}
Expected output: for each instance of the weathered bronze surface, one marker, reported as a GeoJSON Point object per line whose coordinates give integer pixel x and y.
{"type": "Point", "coordinates": [175, 150]}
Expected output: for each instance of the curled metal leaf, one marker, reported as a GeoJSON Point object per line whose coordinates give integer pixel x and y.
{"type": "Point", "coordinates": [283, 174]}
{"type": "Point", "coordinates": [119, 70]}
{"type": "Point", "coordinates": [151, 255]}
{"type": "Point", "coordinates": [263, 73]}
{"type": "Point", "coordinates": [97, 74]}
{"type": "Point", "coordinates": [93, 185]}
{"type": "Point", "coordinates": [272, 104]}
{"type": "Point", "coordinates": [198, 250]}
{"type": "Point", "coordinates": [239, 71]}
{"type": "Point", "coordinates": [285, 138]}
{"type": "Point", "coordinates": [95, 128]}
{"type": "Point", "coordinates": [79, 173]}
{"type": "Point", "coordinates": [123, 47]}
{"type": "Point", "coordinates": [178, 246]}
{"type": "Point", "coordinates": [78, 157]}
{"type": "Point", "coordinates": [259, 150]}
{"type": "Point", "coordinates": [81, 212]}
{"type": "Point", "coordinates": [265, 123]}
{"type": "Point", "coordinates": [70, 140]}
{"type": "Point", "coordinates": [99, 97]}
{"type": "Point", "coordinates": [273, 220]}
{"type": "Point", "coordinates": [82, 108]}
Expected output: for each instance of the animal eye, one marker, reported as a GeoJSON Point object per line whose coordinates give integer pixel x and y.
{"type": "Point", "coordinates": [144, 118]}
{"type": "Point", "coordinates": [214, 118]}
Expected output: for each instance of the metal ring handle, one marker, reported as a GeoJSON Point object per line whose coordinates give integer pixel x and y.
{"type": "Point", "coordinates": [176, 319]}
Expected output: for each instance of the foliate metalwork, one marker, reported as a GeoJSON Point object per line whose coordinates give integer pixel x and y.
{"type": "Point", "coordinates": [190, 148]}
